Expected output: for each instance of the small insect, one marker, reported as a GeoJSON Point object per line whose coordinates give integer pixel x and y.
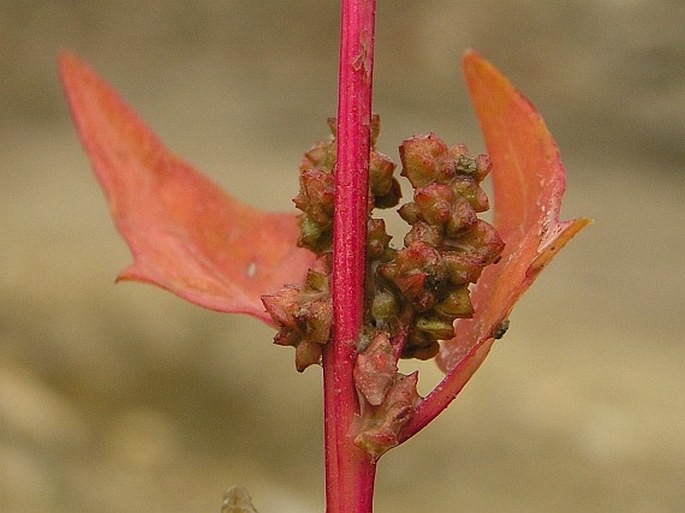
{"type": "Point", "coordinates": [501, 328]}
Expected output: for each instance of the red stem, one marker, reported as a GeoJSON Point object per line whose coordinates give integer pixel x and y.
{"type": "Point", "coordinates": [446, 391]}
{"type": "Point", "coordinates": [350, 472]}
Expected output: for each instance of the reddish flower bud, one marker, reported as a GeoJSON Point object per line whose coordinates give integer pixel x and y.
{"type": "Point", "coordinates": [463, 217]}
{"type": "Point", "coordinates": [375, 369]}
{"type": "Point", "coordinates": [381, 170]}
{"type": "Point", "coordinates": [377, 239]}
{"type": "Point", "coordinates": [423, 160]}
{"type": "Point", "coordinates": [430, 234]}
{"type": "Point", "coordinates": [481, 242]}
{"type": "Point", "coordinates": [317, 194]}
{"type": "Point", "coordinates": [304, 315]}
{"type": "Point", "coordinates": [462, 268]}
{"type": "Point", "coordinates": [283, 305]}
{"type": "Point", "coordinates": [435, 202]}
{"type": "Point", "coordinates": [381, 426]}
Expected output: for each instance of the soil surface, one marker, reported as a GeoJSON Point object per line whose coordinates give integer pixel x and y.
{"type": "Point", "coordinates": [124, 399]}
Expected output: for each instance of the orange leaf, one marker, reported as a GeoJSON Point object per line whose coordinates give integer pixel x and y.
{"type": "Point", "coordinates": [529, 182]}
{"type": "Point", "coordinates": [185, 234]}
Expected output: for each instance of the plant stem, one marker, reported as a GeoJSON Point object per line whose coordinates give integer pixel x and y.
{"type": "Point", "coordinates": [446, 391]}
{"type": "Point", "coordinates": [350, 472]}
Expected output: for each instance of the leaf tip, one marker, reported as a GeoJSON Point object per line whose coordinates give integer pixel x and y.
{"type": "Point", "coordinates": [472, 61]}
{"type": "Point", "coordinates": [548, 248]}
{"type": "Point", "coordinates": [69, 65]}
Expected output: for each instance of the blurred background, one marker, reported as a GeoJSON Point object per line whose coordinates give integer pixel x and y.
{"type": "Point", "coordinates": [124, 398]}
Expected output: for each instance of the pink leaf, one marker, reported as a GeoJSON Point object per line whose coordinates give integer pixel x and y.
{"type": "Point", "coordinates": [529, 182]}
{"type": "Point", "coordinates": [185, 234]}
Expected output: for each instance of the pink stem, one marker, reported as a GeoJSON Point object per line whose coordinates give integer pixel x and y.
{"type": "Point", "coordinates": [350, 472]}
{"type": "Point", "coordinates": [445, 392]}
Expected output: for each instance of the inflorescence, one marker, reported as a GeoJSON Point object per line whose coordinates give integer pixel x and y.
{"type": "Point", "coordinates": [413, 294]}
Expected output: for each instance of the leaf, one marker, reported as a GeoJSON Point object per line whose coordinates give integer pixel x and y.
{"type": "Point", "coordinates": [529, 182]}
{"type": "Point", "coordinates": [185, 234]}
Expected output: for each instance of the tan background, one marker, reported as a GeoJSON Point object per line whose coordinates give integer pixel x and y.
{"type": "Point", "coordinates": [125, 399]}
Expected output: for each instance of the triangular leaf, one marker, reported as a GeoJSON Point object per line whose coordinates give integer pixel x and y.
{"type": "Point", "coordinates": [529, 182]}
{"type": "Point", "coordinates": [185, 234]}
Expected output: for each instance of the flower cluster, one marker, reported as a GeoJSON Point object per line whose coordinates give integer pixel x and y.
{"type": "Point", "coordinates": [304, 314]}
{"type": "Point", "coordinates": [447, 246]}
{"type": "Point", "coordinates": [316, 195]}
{"type": "Point", "coordinates": [414, 294]}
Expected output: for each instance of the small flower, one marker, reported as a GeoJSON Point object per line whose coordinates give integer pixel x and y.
{"type": "Point", "coordinates": [304, 315]}
{"type": "Point", "coordinates": [382, 426]}
{"type": "Point", "coordinates": [447, 247]}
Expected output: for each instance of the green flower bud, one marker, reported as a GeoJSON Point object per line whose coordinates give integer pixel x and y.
{"type": "Point", "coordinates": [457, 304]}
{"type": "Point", "coordinates": [313, 235]}
{"type": "Point", "coordinates": [384, 308]}
{"type": "Point", "coordinates": [462, 268]}
{"type": "Point", "coordinates": [471, 192]}
{"type": "Point", "coordinates": [434, 326]}
{"type": "Point", "coordinates": [306, 354]}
